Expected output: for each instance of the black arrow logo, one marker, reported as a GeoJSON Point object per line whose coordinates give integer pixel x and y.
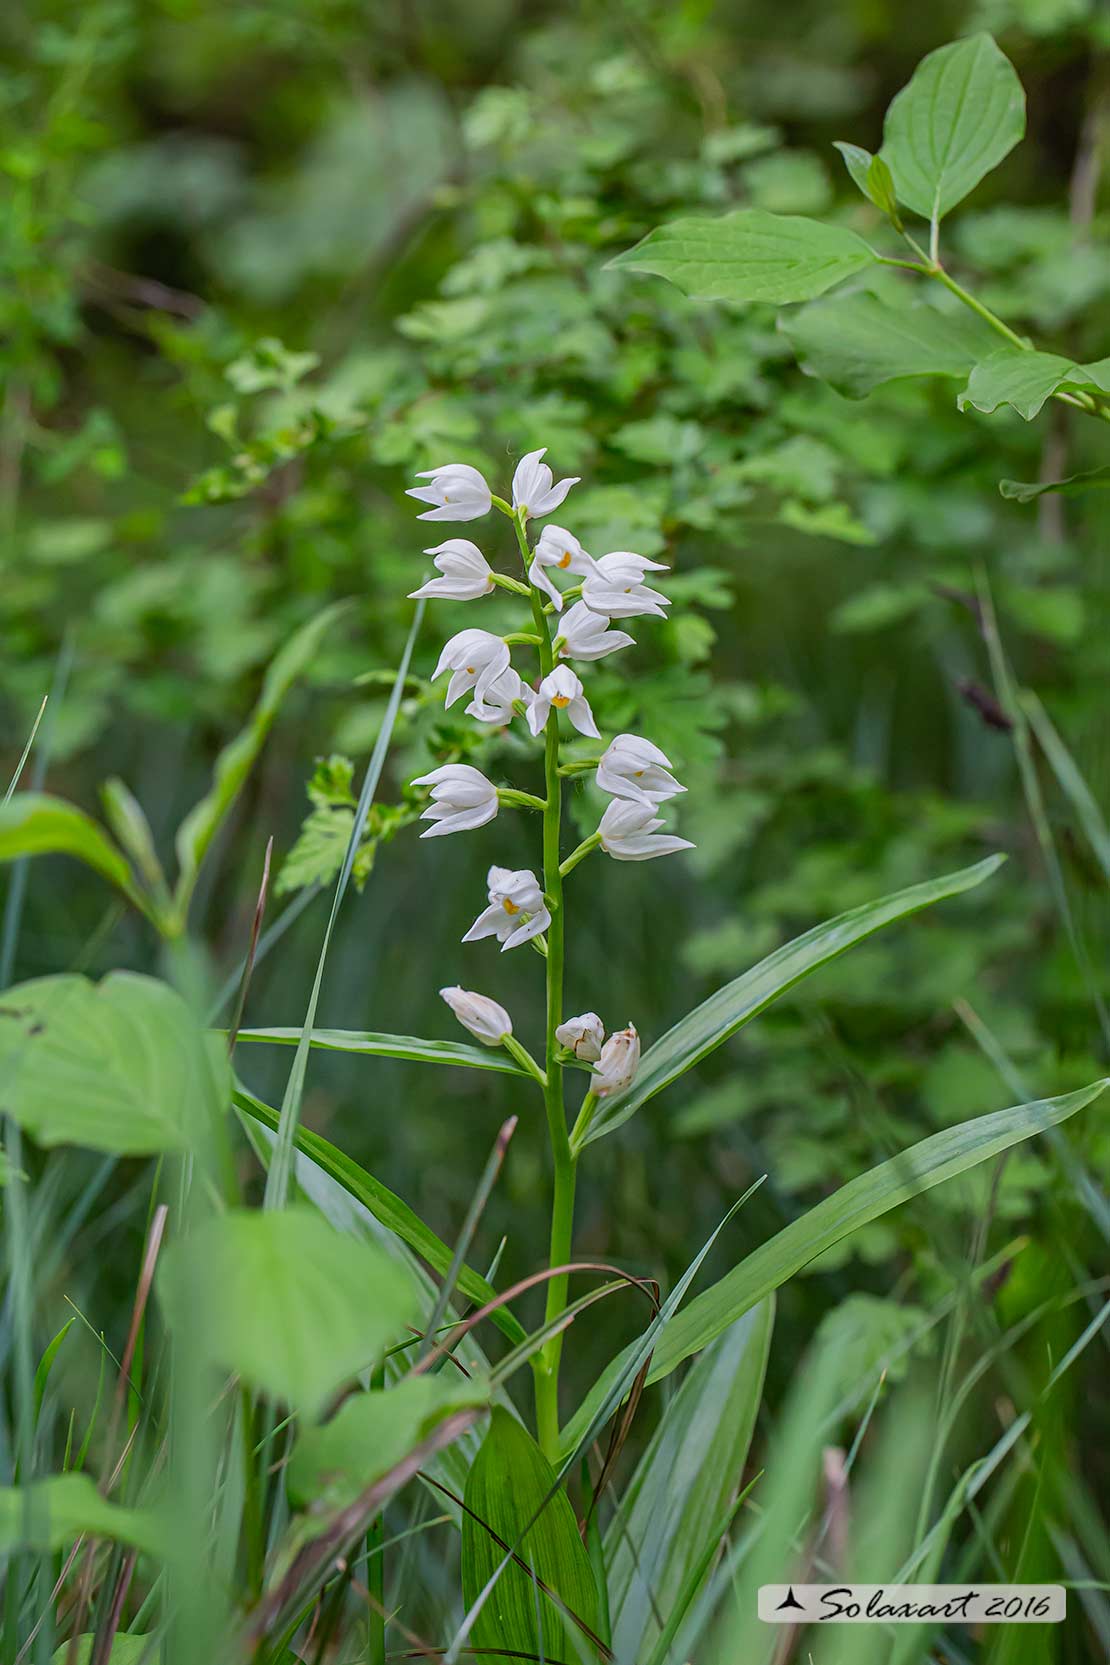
{"type": "Point", "coordinates": [791, 1601]}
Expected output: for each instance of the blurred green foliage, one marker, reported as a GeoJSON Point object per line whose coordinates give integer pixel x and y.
{"type": "Point", "coordinates": [260, 262]}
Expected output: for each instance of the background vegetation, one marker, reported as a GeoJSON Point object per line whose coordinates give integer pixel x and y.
{"type": "Point", "coordinates": [260, 263]}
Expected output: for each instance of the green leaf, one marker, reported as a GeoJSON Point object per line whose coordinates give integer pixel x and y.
{"type": "Point", "coordinates": [703, 1029]}
{"type": "Point", "coordinates": [509, 1482]}
{"type": "Point", "coordinates": [285, 1301]}
{"type": "Point", "coordinates": [48, 1515]}
{"type": "Point", "coordinates": [1010, 376]}
{"type": "Point", "coordinates": [662, 1531]}
{"type": "Point", "coordinates": [961, 113]}
{"type": "Point", "coordinates": [118, 1066]}
{"type": "Point", "coordinates": [387, 1207]}
{"type": "Point", "coordinates": [942, 1156]}
{"type": "Point", "coordinates": [235, 762]}
{"type": "Point", "coordinates": [370, 1433]}
{"type": "Point", "coordinates": [1026, 491]}
{"type": "Point", "coordinates": [35, 824]}
{"type": "Point", "coordinates": [750, 255]}
{"type": "Point", "coordinates": [393, 1046]}
{"type": "Point", "coordinates": [126, 1650]}
{"type": "Point", "coordinates": [871, 175]}
{"type": "Point", "coordinates": [857, 343]}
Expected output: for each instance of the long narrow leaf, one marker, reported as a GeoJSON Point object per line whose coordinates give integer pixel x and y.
{"type": "Point", "coordinates": [661, 1531]}
{"type": "Point", "coordinates": [942, 1156]}
{"type": "Point", "coordinates": [703, 1029]}
{"type": "Point", "coordinates": [392, 1046]}
{"type": "Point", "coordinates": [277, 1179]}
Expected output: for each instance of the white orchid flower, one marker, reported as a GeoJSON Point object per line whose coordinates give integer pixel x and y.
{"type": "Point", "coordinates": [477, 658]}
{"type": "Point", "coordinates": [533, 490]}
{"type": "Point", "coordinates": [619, 1061]}
{"type": "Point", "coordinates": [466, 572]}
{"type": "Point", "coordinates": [563, 690]}
{"type": "Point", "coordinates": [517, 911]}
{"type": "Point", "coordinates": [457, 492]}
{"type": "Point", "coordinates": [462, 799]}
{"type": "Point", "coordinates": [586, 635]}
{"type": "Point", "coordinates": [633, 768]}
{"type": "Point", "coordinates": [616, 587]}
{"type": "Point", "coordinates": [478, 1013]}
{"type": "Point", "coordinates": [584, 1036]}
{"type": "Point", "coordinates": [560, 549]}
{"type": "Point", "coordinates": [627, 831]}
{"type": "Point", "coordinates": [496, 704]}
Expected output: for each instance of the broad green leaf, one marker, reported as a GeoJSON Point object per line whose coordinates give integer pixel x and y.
{"type": "Point", "coordinates": [1010, 376]}
{"type": "Point", "coordinates": [126, 1650]}
{"type": "Point", "coordinates": [663, 1529]}
{"type": "Point", "coordinates": [333, 1464]}
{"type": "Point", "coordinates": [387, 1207]}
{"type": "Point", "coordinates": [859, 342]}
{"type": "Point", "coordinates": [703, 1029]}
{"type": "Point", "coordinates": [393, 1046]}
{"type": "Point", "coordinates": [942, 1156]}
{"type": "Point", "coordinates": [50, 1514]}
{"type": "Point", "coordinates": [961, 113]}
{"type": "Point", "coordinates": [508, 1483]}
{"type": "Point", "coordinates": [1026, 491]}
{"type": "Point", "coordinates": [120, 1065]}
{"type": "Point", "coordinates": [285, 1301]}
{"type": "Point", "coordinates": [35, 824]}
{"type": "Point", "coordinates": [750, 255]}
{"type": "Point", "coordinates": [235, 762]}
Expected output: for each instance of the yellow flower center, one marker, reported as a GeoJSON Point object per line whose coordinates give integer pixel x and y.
{"type": "Point", "coordinates": [560, 700]}
{"type": "Point", "coordinates": [565, 559]}
{"type": "Point", "coordinates": [510, 906]}
{"type": "Point", "coordinates": [471, 670]}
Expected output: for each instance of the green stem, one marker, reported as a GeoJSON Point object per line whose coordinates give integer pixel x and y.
{"type": "Point", "coordinates": [545, 1365]}
{"type": "Point", "coordinates": [969, 300]}
{"type": "Point", "coordinates": [511, 798]}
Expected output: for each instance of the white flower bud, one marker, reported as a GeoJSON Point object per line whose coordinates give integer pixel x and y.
{"type": "Point", "coordinates": [584, 1036]}
{"type": "Point", "coordinates": [616, 587]}
{"type": "Point", "coordinates": [462, 798]}
{"type": "Point", "coordinates": [620, 1059]}
{"type": "Point", "coordinates": [476, 659]}
{"type": "Point", "coordinates": [478, 1013]}
{"type": "Point", "coordinates": [628, 832]}
{"type": "Point", "coordinates": [632, 767]}
{"type": "Point", "coordinates": [586, 635]}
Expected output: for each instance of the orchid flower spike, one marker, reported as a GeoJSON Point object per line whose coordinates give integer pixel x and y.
{"type": "Point", "coordinates": [560, 549]}
{"type": "Point", "coordinates": [517, 911]}
{"type": "Point", "coordinates": [457, 492]}
{"type": "Point", "coordinates": [627, 832]}
{"type": "Point", "coordinates": [619, 1061]}
{"type": "Point", "coordinates": [478, 1013]}
{"type": "Point", "coordinates": [563, 690]}
{"type": "Point", "coordinates": [586, 635]}
{"type": "Point", "coordinates": [476, 658]}
{"type": "Point", "coordinates": [466, 572]}
{"type": "Point", "coordinates": [633, 768]}
{"type": "Point", "coordinates": [584, 1036]}
{"type": "Point", "coordinates": [533, 491]}
{"type": "Point", "coordinates": [616, 588]}
{"type": "Point", "coordinates": [496, 705]}
{"type": "Point", "coordinates": [462, 799]}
